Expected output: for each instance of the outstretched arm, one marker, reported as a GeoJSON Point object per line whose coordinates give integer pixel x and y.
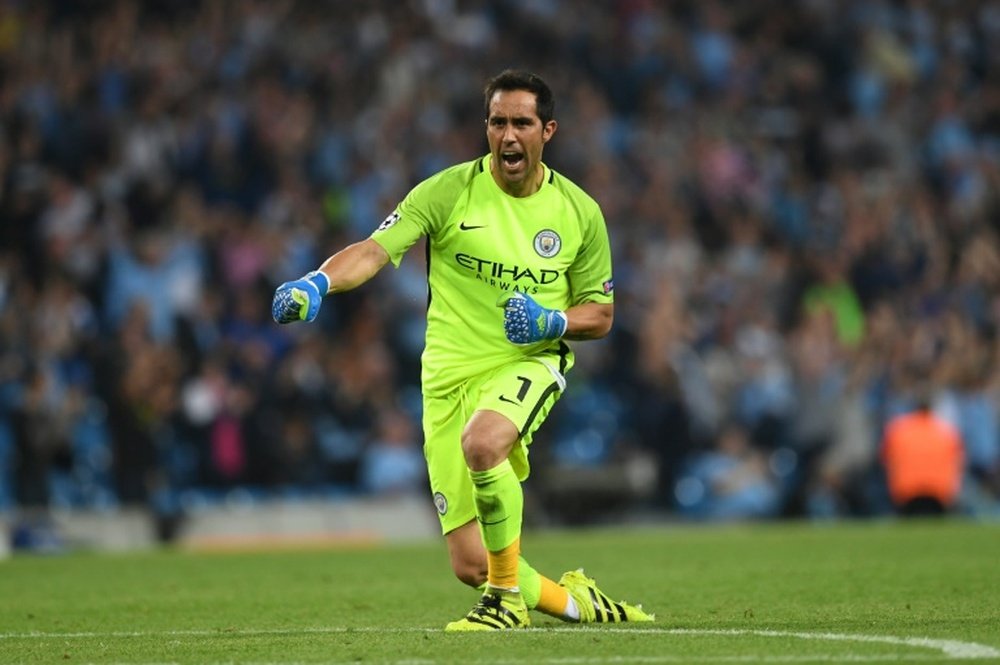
{"type": "Point", "coordinates": [300, 299]}
{"type": "Point", "coordinates": [354, 265]}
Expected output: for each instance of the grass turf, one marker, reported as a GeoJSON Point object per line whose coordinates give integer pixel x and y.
{"type": "Point", "coordinates": [795, 592]}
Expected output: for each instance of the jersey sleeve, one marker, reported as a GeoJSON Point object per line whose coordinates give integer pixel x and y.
{"type": "Point", "coordinates": [590, 276]}
{"type": "Point", "coordinates": [421, 212]}
{"type": "Point", "coordinates": [400, 230]}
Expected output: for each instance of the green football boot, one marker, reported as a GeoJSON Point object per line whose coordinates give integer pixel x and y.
{"type": "Point", "coordinates": [595, 606]}
{"type": "Point", "coordinates": [496, 610]}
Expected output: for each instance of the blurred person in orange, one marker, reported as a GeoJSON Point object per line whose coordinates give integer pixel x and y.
{"type": "Point", "coordinates": [924, 459]}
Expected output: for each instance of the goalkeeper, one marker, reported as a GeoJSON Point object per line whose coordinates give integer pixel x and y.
{"type": "Point", "coordinates": [518, 263]}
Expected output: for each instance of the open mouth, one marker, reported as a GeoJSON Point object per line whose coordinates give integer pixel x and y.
{"type": "Point", "coordinates": [511, 159]}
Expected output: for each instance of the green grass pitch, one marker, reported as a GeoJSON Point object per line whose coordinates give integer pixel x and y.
{"type": "Point", "coordinates": [877, 592]}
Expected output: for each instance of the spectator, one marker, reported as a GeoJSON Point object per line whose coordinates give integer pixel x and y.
{"type": "Point", "coordinates": [393, 462]}
{"type": "Point", "coordinates": [731, 482]}
{"type": "Point", "coordinates": [923, 459]}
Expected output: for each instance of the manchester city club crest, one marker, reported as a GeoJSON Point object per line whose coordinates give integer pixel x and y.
{"type": "Point", "coordinates": [440, 503]}
{"type": "Point", "coordinates": [547, 243]}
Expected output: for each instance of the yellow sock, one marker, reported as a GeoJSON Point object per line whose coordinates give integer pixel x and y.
{"type": "Point", "coordinates": [502, 566]}
{"type": "Point", "coordinates": [499, 502]}
{"type": "Point", "coordinates": [553, 599]}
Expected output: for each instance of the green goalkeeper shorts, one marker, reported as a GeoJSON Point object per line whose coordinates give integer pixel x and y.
{"type": "Point", "coordinates": [524, 392]}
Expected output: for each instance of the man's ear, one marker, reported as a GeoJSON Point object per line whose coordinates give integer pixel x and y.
{"type": "Point", "coordinates": [549, 129]}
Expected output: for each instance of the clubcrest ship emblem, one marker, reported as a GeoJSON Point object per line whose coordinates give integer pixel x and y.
{"type": "Point", "coordinates": [547, 243]}
{"type": "Point", "coordinates": [441, 503]}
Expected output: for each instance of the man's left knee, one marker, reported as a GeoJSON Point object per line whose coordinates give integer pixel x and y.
{"type": "Point", "coordinates": [487, 440]}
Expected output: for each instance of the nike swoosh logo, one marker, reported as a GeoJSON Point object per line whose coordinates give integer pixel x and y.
{"type": "Point", "coordinates": [468, 227]}
{"type": "Point", "coordinates": [508, 400]}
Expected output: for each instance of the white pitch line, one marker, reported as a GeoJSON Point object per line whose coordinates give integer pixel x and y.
{"type": "Point", "coordinates": [952, 649]}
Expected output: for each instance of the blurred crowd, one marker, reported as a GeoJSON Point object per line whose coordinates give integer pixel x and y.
{"type": "Point", "coordinates": [803, 198]}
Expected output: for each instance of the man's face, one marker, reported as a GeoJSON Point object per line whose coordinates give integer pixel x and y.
{"type": "Point", "coordinates": [516, 136]}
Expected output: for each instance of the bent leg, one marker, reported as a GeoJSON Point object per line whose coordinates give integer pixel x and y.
{"type": "Point", "coordinates": [486, 442]}
{"type": "Point", "coordinates": [468, 561]}
{"type": "Point", "coordinates": [467, 554]}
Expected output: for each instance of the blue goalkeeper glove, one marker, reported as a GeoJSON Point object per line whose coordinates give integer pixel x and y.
{"type": "Point", "coordinates": [527, 322]}
{"type": "Point", "coordinates": [299, 300]}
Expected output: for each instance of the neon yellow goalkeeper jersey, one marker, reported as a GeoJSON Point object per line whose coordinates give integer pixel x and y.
{"type": "Point", "coordinates": [482, 243]}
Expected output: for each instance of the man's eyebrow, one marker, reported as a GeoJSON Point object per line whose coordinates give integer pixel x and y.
{"type": "Point", "coordinates": [500, 116]}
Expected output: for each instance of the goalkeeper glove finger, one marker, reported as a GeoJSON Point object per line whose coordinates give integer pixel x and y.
{"type": "Point", "coordinates": [299, 300]}
{"type": "Point", "coordinates": [527, 322]}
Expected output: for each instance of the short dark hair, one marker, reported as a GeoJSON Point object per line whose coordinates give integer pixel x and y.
{"type": "Point", "coordinates": [518, 79]}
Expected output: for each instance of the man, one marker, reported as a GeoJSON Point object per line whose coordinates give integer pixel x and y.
{"type": "Point", "coordinates": [924, 460]}
{"type": "Point", "coordinates": [518, 261]}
